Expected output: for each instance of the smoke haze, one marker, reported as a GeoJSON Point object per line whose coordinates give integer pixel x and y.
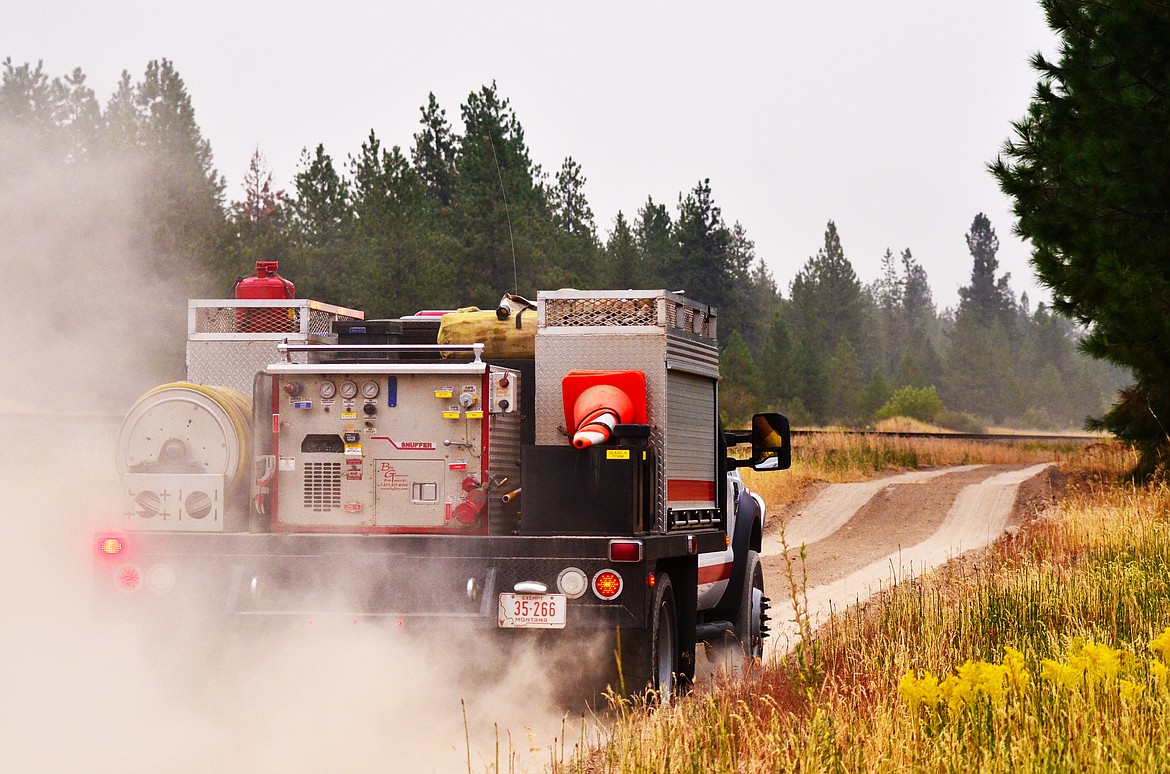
{"type": "Point", "coordinates": [88, 327]}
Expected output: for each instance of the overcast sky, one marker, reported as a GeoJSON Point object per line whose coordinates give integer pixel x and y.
{"type": "Point", "coordinates": [878, 115]}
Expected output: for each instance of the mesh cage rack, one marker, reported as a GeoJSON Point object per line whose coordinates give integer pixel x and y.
{"type": "Point", "coordinates": [230, 340]}
{"type": "Point", "coordinates": [627, 309]}
{"type": "Point", "coordinates": [252, 319]}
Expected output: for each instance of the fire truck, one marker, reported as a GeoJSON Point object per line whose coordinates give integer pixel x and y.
{"type": "Point", "coordinates": [559, 471]}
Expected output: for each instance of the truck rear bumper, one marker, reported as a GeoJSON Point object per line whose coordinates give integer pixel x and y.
{"type": "Point", "coordinates": [406, 580]}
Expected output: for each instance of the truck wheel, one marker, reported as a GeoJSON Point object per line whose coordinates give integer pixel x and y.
{"type": "Point", "coordinates": [653, 662]}
{"type": "Point", "coordinates": [749, 620]}
{"type": "Point", "coordinates": [751, 623]}
{"type": "Point", "coordinates": [664, 646]}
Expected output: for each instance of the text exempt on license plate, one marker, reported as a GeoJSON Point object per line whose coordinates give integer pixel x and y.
{"type": "Point", "coordinates": [532, 611]}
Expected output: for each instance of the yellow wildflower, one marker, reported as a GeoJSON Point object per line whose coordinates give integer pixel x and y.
{"type": "Point", "coordinates": [1018, 677]}
{"type": "Point", "coordinates": [1159, 672]}
{"type": "Point", "coordinates": [1161, 643]}
{"type": "Point", "coordinates": [1063, 675]}
{"type": "Point", "coordinates": [983, 679]}
{"type": "Point", "coordinates": [919, 690]}
{"type": "Point", "coordinates": [1130, 691]}
{"type": "Point", "coordinates": [1099, 662]}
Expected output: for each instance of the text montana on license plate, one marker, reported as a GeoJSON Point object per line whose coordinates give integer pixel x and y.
{"type": "Point", "coordinates": [532, 611]}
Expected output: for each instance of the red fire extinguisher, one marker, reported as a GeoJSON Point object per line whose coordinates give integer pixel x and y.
{"type": "Point", "coordinates": [266, 284]}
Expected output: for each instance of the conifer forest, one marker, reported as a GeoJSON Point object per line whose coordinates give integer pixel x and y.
{"type": "Point", "coordinates": [460, 213]}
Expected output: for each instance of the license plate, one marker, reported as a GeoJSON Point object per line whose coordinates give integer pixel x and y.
{"type": "Point", "coordinates": [532, 611]}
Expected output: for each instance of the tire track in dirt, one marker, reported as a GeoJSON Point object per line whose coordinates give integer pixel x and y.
{"type": "Point", "coordinates": [898, 533]}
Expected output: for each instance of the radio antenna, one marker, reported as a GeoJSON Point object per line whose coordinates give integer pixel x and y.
{"type": "Point", "coordinates": [504, 194]}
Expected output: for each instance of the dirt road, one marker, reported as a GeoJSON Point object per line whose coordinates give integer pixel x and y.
{"type": "Point", "coordinates": [859, 538]}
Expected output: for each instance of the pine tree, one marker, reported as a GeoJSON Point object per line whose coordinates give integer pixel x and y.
{"type": "Point", "coordinates": [500, 216]}
{"type": "Point", "coordinates": [182, 193]}
{"type": "Point", "coordinates": [825, 307]}
{"type": "Point", "coordinates": [987, 297]}
{"type": "Point", "coordinates": [396, 264]}
{"type": "Point", "coordinates": [623, 267]}
{"type": "Point", "coordinates": [876, 393]}
{"type": "Point", "coordinates": [434, 153]}
{"type": "Point", "coordinates": [57, 118]}
{"type": "Point", "coordinates": [826, 296]}
{"type": "Point", "coordinates": [845, 385]}
{"type": "Point", "coordinates": [1089, 170]}
{"type": "Point", "coordinates": [579, 255]}
{"type": "Point", "coordinates": [321, 229]}
{"type": "Point", "coordinates": [779, 366]}
{"type": "Point", "coordinates": [703, 264]}
{"type": "Point", "coordinates": [259, 224]}
{"type": "Point", "coordinates": [654, 234]}
{"type": "Point", "coordinates": [740, 386]}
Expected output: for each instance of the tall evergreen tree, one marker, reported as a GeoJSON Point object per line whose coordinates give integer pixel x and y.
{"type": "Point", "coordinates": [654, 234]}
{"type": "Point", "coordinates": [845, 384]}
{"type": "Point", "coordinates": [500, 213]}
{"type": "Point", "coordinates": [703, 264]}
{"type": "Point", "coordinates": [434, 152]}
{"type": "Point", "coordinates": [824, 307]}
{"type": "Point", "coordinates": [58, 117]}
{"type": "Point", "coordinates": [987, 297]}
{"type": "Point", "coordinates": [741, 387]}
{"type": "Point", "coordinates": [779, 366]}
{"type": "Point", "coordinates": [623, 267]}
{"type": "Point", "coordinates": [393, 263]}
{"type": "Point", "coordinates": [182, 194]}
{"type": "Point", "coordinates": [1089, 170]}
{"type": "Point", "coordinates": [322, 228]}
{"type": "Point", "coordinates": [259, 224]}
{"type": "Point", "coordinates": [570, 208]}
{"type": "Point", "coordinates": [578, 252]}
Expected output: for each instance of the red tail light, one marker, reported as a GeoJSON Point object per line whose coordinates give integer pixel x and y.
{"type": "Point", "coordinates": [625, 550]}
{"type": "Point", "coordinates": [607, 584]}
{"type": "Point", "coordinates": [129, 578]}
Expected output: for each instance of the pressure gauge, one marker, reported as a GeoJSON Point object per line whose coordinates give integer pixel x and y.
{"type": "Point", "coordinates": [348, 390]}
{"type": "Point", "coordinates": [327, 390]}
{"type": "Point", "coordinates": [370, 389]}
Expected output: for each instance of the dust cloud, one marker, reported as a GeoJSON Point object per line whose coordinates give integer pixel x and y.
{"type": "Point", "coordinates": [86, 329]}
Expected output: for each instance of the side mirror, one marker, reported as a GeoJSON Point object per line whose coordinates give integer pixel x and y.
{"type": "Point", "coordinates": [771, 442]}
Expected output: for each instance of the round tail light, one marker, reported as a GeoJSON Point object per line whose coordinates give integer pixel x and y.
{"type": "Point", "coordinates": [129, 578]}
{"type": "Point", "coordinates": [607, 584]}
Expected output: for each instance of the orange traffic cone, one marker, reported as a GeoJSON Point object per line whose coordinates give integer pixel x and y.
{"type": "Point", "coordinates": [599, 401]}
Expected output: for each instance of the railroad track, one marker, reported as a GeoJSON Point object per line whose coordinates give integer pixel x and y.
{"type": "Point", "coordinates": [988, 437]}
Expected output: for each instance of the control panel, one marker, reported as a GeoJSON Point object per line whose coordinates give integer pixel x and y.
{"type": "Point", "coordinates": [376, 451]}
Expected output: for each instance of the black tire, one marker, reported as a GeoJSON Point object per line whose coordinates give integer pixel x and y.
{"type": "Point", "coordinates": [650, 657]}
{"type": "Point", "coordinates": [749, 619]}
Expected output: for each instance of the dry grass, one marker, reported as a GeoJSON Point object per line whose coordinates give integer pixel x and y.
{"type": "Point", "coordinates": [1097, 568]}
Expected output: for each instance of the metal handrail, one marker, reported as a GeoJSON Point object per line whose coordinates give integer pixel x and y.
{"type": "Point", "coordinates": [476, 349]}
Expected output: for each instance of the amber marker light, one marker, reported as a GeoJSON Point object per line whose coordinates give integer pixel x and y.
{"type": "Point", "coordinates": [111, 546]}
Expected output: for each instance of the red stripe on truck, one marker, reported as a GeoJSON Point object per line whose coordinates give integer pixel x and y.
{"type": "Point", "coordinates": [691, 490]}
{"type": "Point", "coordinates": [715, 572]}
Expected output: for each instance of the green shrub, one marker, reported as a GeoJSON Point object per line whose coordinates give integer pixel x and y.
{"type": "Point", "coordinates": [920, 403]}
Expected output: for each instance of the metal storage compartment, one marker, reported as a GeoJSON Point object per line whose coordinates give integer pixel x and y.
{"type": "Point", "coordinates": [672, 340]}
